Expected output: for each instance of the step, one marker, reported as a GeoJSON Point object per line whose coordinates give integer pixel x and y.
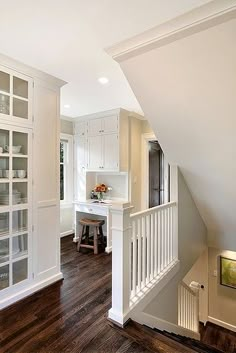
{"type": "Point", "coordinates": [162, 341]}
{"type": "Point", "coordinates": [151, 340]}
{"type": "Point", "coordinates": [198, 346]}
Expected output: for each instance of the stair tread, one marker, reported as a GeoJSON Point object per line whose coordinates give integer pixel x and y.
{"type": "Point", "coordinates": [200, 346]}
{"type": "Point", "coordinates": [151, 340]}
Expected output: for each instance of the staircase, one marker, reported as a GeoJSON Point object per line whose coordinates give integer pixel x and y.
{"type": "Point", "coordinates": [163, 342]}
{"type": "Point", "coordinates": [146, 263]}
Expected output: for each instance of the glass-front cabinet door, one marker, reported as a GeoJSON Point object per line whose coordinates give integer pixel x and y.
{"type": "Point", "coordinates": [15, 201]}
{"type": "Point", "coordinates": [15, 96]}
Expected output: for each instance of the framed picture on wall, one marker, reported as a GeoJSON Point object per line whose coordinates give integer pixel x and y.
{"type": "Point", "coordinates": [227, 272]}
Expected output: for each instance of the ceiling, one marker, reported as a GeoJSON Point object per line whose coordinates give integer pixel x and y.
{"type": "Point", "coordinates": [66, 38]}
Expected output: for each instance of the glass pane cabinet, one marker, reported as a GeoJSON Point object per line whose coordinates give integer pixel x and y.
{"type": "Point", "coordinates": [15, 96]}
{"type": "Point", "coordinates": [15, 197]}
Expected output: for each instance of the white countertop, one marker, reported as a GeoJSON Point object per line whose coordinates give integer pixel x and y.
{"type": "Point", "coordinates": [112, 203]}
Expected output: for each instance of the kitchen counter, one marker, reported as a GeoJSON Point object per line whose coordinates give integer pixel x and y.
{"type": "Point", "coordinates": [101, 210]}
{"type": "Point", "coordinates": [114, 203]}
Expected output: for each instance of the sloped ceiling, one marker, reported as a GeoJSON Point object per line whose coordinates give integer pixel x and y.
{"type": "Point", "coordinates": [187, 90]}
{"type": "Point", "coordinates": [66, 38]}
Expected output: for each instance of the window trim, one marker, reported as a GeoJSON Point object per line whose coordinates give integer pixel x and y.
{"type": "Point", "coordinates": [68, 171]}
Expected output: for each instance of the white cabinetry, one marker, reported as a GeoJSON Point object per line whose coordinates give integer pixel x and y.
{"type": "Point", "coordinates": [108, 124]}
{"type": "Point", "coordinates": [105, 147]}
{"type": "Point", "coordinates": [29, 180]}
{"type": "Point", "coordinates": [80, 128]}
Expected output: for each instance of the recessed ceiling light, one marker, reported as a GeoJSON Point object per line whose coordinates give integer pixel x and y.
{"type": "Point", "coordinates": [103, 80]}
{"type": "Point", "coordinates": [67, 106]}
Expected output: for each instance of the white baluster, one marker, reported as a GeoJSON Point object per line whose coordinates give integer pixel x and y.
{"type": "Point", "coordinates": [159, 242]}
{"type": "Point", "coordinates": [152, 246]}
{"type": "Point", "coordinates": [155, 243]}
{"type": "Point", "coordinates": [134, 233]}
{"type": "Point", "coordinates": [144, 251]}
{"type": "Point", "coordinates": [148, 246]}
{"type": "Point", "coordinates": [139, 254]}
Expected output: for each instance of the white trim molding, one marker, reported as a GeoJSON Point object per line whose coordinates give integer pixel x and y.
{"type": "Point", "coordinates": [25, 292]}
{"type": "Point", "coordinates": [68, 232]}
{"type": "Point", "coordinates": [155, 322]}
{"type": "Point", "coordinates": [222, 323]}
{"type": "Point", "coordinates": [199, 19]}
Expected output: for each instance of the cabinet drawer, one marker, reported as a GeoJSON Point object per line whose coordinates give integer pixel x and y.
{"type": "Point", "coordinates": [92, 209]}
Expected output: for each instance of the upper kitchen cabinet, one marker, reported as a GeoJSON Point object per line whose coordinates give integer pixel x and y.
{"type": "Point", "coordinates": [80, 128]}
{"type": "Point", "coordinates": [105, 125]}
{"type": "Point", "coordinates": [15, 96]}
{"type": "Point", "coordinates": [106, 146]}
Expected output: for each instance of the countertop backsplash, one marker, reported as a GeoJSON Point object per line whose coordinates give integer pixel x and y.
{"type": "Point", "coordinates": [118, 183]}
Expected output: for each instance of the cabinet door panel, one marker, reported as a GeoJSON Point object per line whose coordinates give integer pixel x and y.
{"type": "Point", "coordinates": [80, 151]}
{"type": "Point", "coordinates": [94, 126]}
{"type": "Point", "coordinates": [80, 128]}
{"type": "Point", "coordinates": [111, 152]}
{"type": "Point", "coordinates": [110, 124]}
{"type": "Point", "coordinates": [94, 153]}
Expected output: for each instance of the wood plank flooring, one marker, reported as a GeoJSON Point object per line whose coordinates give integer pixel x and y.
{"type": "Point", "coordinates": [71, 316]}
{"type": "Point", "coordinates": [218, 337]}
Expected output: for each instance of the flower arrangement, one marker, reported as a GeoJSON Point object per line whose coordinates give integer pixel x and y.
{"type": "Point", "coordinates": [100, 189]}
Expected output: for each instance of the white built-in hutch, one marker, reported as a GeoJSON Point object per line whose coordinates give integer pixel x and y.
{"type": "Point", "coordinates": [101, 155]}
{"type": "Point", "coordinates": [29, 180]}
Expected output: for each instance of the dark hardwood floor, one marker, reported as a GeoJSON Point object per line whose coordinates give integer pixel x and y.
{"type": "Point", "coordinates": [71, 316]}
{"type": "Point", "coordinates": [218, 337]}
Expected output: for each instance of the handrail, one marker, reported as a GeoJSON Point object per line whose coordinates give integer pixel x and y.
{"type": "Point", "coordinates": [183, 284]}
{"type": "Point", "coordinates": [153, 209]}
{"type": "Point", "coordinates": [145, 248]}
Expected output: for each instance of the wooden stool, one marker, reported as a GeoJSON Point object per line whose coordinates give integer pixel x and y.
{"type": "Point", "coordinates": [97, 233]}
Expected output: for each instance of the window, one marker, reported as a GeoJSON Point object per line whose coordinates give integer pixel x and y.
{"type": "Point", "coordinates": [66, 168]}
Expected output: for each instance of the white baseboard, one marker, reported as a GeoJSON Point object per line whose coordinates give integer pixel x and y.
{"type": "Point", "coordinates": [222, 323]}
{"type": "Point", "coordinates": [154, 322]}
{"type": "Point", "coordinates": [108, 249]}
{"type": "Point", "coordinates": [68, 232]}
{"type": "Point", "coordinates": [29, 290]}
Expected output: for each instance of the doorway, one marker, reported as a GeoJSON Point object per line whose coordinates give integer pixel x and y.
{"type": "Point", "coordinates": [155, 173]}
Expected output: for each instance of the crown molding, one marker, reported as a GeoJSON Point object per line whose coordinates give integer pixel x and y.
{"type": "Point", "coordinates": [199, 19]}
{"type": "Point", "coordinates": [30, 71]}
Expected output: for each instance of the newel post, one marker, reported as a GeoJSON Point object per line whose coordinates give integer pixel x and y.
{"type": "Point", "coordinates": [121, 243]}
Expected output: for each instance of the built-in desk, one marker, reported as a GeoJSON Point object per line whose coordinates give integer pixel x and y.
{"type": "Point", "coordinates": [97, 210]}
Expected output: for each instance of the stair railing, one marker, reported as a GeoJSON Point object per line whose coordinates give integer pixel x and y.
{"type": "Point", "coordinates": [144, 248]}
{"type": "Point", "coordinates": [188, 307]}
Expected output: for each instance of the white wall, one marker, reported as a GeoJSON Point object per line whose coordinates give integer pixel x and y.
{"type": "Point", "coordinates": [187, 90]}
{"type": "Point", "coordinates": [192, 243]}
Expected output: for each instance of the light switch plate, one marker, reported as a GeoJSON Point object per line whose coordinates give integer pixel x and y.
{"type": "Point", "coordinates": [215, 273]}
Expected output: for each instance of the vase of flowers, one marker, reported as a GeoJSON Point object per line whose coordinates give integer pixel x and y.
{"type": "Point", "coordinates": [100, 190]}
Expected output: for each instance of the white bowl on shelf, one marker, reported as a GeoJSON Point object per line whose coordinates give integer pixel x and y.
{"type": "Point", "coordinates": [15, 149]}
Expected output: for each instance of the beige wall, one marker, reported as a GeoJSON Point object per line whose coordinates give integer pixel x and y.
{"type": "Point", "coordinates": [135, 163]}
{"type": "Point", "coordinates": [137, 128]}
{"type": "Point", "coordinates": [146, 128]}
{"type": "Point", "coordinates": [66, 126]}
{"type": "Point", "coordinates": [192, 243]}
{"type": "Point", "coordinates": [222, 300]}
